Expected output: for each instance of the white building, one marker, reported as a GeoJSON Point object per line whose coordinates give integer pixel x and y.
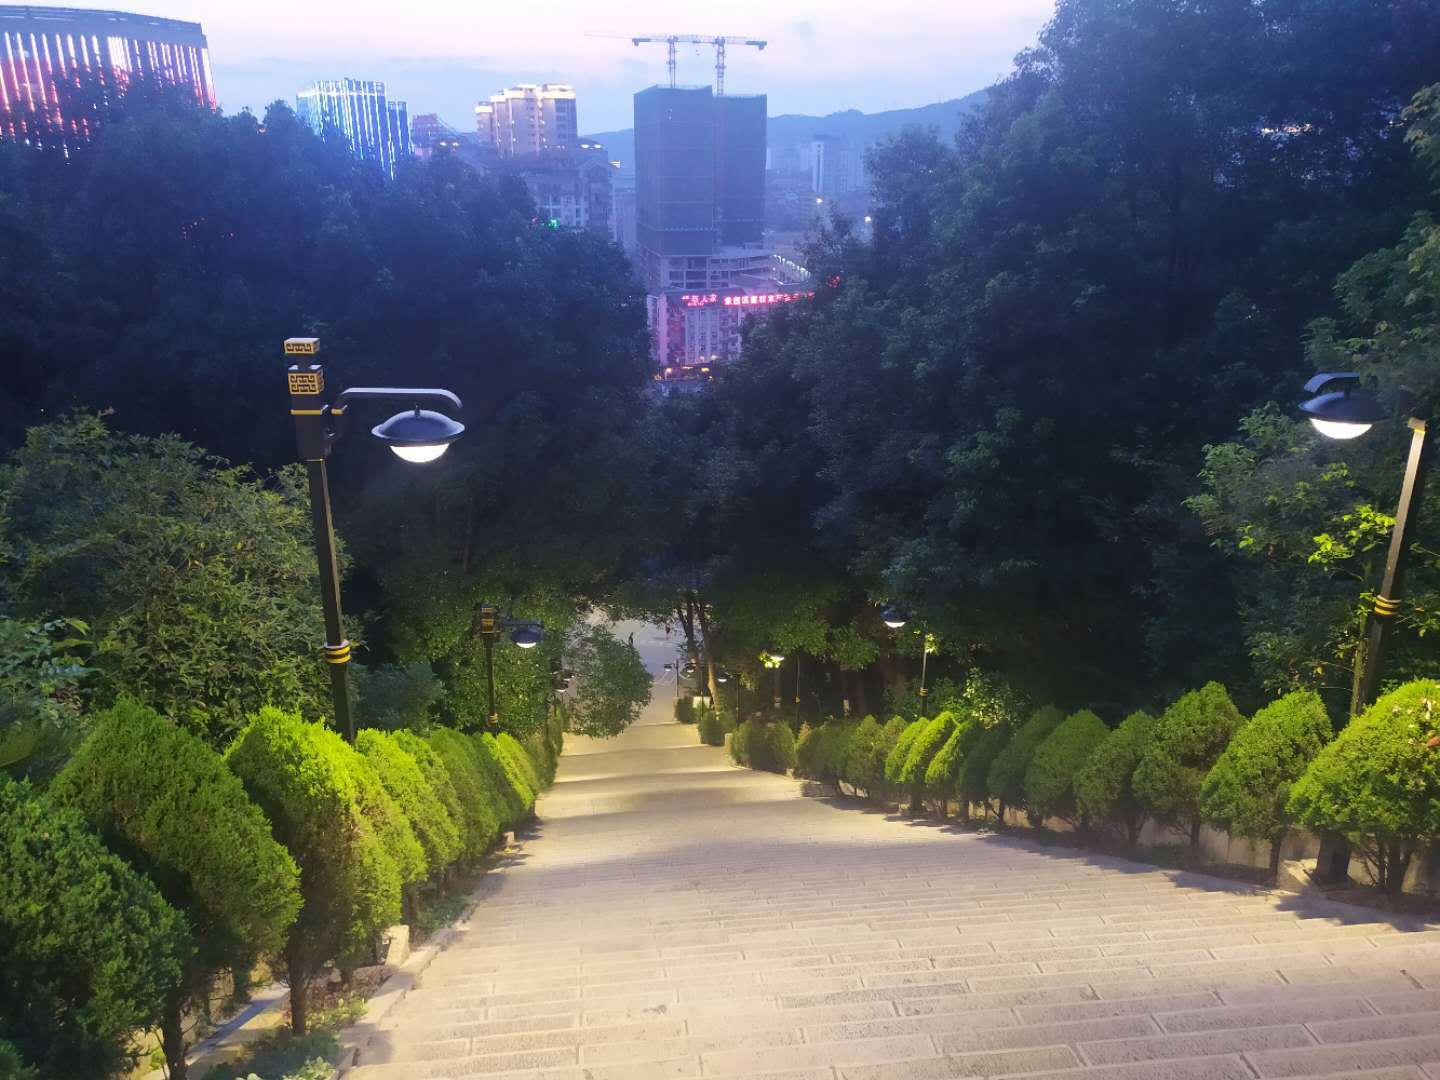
{"type": "Point", "coordinates": [529, 119]}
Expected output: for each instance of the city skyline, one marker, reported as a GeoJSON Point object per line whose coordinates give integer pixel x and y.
{"type": "Point", "coordinates": [441, 59]}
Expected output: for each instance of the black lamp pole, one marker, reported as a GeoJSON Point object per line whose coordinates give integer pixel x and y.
{"type": "Point", "coordinates": [318, 426]}
{"type": "Point", "coordinates": [489, 624]}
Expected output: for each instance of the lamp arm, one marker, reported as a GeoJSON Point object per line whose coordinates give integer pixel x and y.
{"type": "Point", "coordinates": [417, 396]}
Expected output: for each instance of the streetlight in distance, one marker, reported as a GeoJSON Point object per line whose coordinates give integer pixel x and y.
{"type": "Point", "coordinates": [416, 435]}
{"type": "Point", "coordinates": [893, 617]}
{"type": "Point", "coordinates": [1342, 410]}
{"type": "Point", "coordinates": [524, 634]}
{"type": "Point", "coordinates": [772, 659]}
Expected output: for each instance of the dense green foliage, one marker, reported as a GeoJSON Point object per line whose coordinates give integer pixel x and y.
{"type": "Point", "coordinates": [612, 683]}
{"type": "Point", "coordinates": [1188, 738]}
{"type": "Point", "coordinates": [942, 776]}
{"type": "Point", "coordinates": [821, 752]}
{"type": "Point", "coordinates": [1104, 785]}
{"type": "Point", "coordinates": [974, 786]}
{"type": "Point", "coordinates": [1006, 779]}
{"type": "Point", "coordinates": [1050, 778]}
{"type": "Point", "coordinates": [189, 827]}
{"type": "Point", "coordinates": [899, 752]}
{"type": "Point", "coordinates": [40, 673]}
{"type": "Point", "coordinates": [1248, 791]}
{"type": "Point", "coordinates": [712, 725]}
{"type": "Point", "coordinates": [88, 948]}
{"type": "Point", "coordinates": [321, 799]}
{"type": "Point", "coordinates": [1378, 783]}
{"type": "Point", "coordinates": [407, 785]}
{"type": "Point", "coordinates": [393, 697]}
{"type": "Point", "coordinates": [864, 765]}
{"type": "Point", "coordinates": [433, 769]}
{"type": "Point", "coordinates": [685, 710]}
{"type": "Point", "coordinates": [12, 1065]}
{"type": "Point", "coordinates": [758, 745]}
{"type": "Point", "coordinates": [197, 580]}
{"type": "Point", "coordinates": [923, 749]}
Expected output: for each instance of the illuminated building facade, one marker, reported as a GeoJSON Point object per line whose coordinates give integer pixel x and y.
{"type": "Point", "coordinates": [45, 52]}
{"type": "Point", "coordinates": [375, 127]}
{"type": "Point", "coordinates": [529, 120]}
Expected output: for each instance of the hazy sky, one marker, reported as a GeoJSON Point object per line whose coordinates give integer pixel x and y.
{"type": "Point", "coordinates": [442, 56]}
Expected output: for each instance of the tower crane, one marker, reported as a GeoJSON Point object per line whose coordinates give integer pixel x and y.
{"type": "Point", "coordinates": [672, 40]}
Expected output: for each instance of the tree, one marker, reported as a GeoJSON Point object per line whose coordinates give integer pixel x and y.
{"type": "Point", "coordinates": [1248, 790]}
{"type": "Point", "coordinates": [41, 718]}
{"type": "Point", "coordinates": [1050, 778]}
{"type": "Point", "coordinates": [305, 780]}
{"type": "Point", "coordinates": [1378, 782]}
{"type": "Point", "coordinates": [1006, 780]}
{"type": "Point", "coordinates": [1188, 739]}
{"type": "Point", "coordinates": [923, 749]}
{"type": "Point", "coordinates": [942, 777]}
{"type": "Point", "coordinates": [975, 770]}
{"type": "Point", "coordinates": [900, 753]}
{"type": "Point", "coordinates": [197, 580]}
{"type": "Point", "coordinates": [88, 948]}
{"type": "Point", "coordinates": [864, 766]}
{"type": "Point", "coordinates": [612, 684]}
{"type": "Point", "coordinates": [190, 828]}
{"type": "Point", "coordinates": [393, 697]}
{"type": "Point", "coordinates": [1104, 785]}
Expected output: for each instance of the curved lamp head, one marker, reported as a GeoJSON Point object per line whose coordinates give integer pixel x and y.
{"type": "Point", "coordinates": [893, 617]}
{"type": "Point", "coordinates": [1340, 409]}
{"type": "Point", "coordinates": [688, 670]}
{"type": "Point", "coordinates": [418, 435]}
{"type": "Point", "coordinates": [527, 637]}
{"type": "Point", "coordinates": [773, 658]}
{"type": "Point", "coordinates": [722, 677]}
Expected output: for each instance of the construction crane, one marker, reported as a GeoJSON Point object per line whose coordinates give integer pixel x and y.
{"type": "Point", "coordinates": [672, 40]}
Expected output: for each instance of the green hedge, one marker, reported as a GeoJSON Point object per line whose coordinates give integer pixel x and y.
{"type": "Point", "coordinates": [1189, 737]}
{"type": "Point", "coordinates": [1050, 779]}
{"type": "Point", "coordinates": [1006, 780]}
{"type": "Point", "coordinates": [923, 748]}
{"type": "Point", "coordinates": [900, 753]}
{"type": "Point", "coordinates": [821, 751]}
{"type": "Point", "coordinates": [88, 947]}
{"type": "Point", "coordinates": [415, 795]}
{"type": "Point", "coordinates": [483, 809]}
{"type": "Point", "coordinates": [770, 747]}
{"type": "Point", "coordinates": [942, 777]}
{"type": "Point", "coordinates": [974, 786]}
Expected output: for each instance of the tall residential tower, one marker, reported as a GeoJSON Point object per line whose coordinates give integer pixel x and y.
{"type": "Point", "coordinates": [376, 127]}
{"type": "Point", "coordinates": [529, 120]}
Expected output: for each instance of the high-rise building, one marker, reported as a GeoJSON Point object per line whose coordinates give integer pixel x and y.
{"type": "Point", "coordinates": [376, 127]}
{"type": "Point", "coordinates": [836, 166]}
{"type": "Point", "coordinates": [700, 213]}
{"type": "Point", "coordinates": [529, 120]}
{"type": "Point", "coordinates": [57, 65]}
{"type": "Point", "coordinates": [571, 190]}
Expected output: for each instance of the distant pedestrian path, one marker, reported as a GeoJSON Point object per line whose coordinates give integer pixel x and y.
{"type": "Point", "coordinates": [674, 916]}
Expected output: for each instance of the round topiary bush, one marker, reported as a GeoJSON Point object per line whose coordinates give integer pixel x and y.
{"type": "Point", "coordinates": [1248, 790]}
{"type": "Point", "coordinates": [942, 776]}
{"type": "Point", "coordinates": [1050, 779]}
{"type": "Point", "coordinates": [483, 808]}
{"type": "Point", "coordinates": [864, 764]}
{"type": "Point", "coordinates": [900, 752]}
{"type": "Point", "coordinates": [1189, 738]}
{"type": "Point", "coordinates": [1006, 781]}
{"type": "Point", "coordinates": [768, 747]}
{"type": "Point", "coordinates": [438, 777]}
{"type": "Point", "coordinates": [712, 726]}
{"type": "Point", "coordinates": [1104, 785]}
{"type": "Point", "coordinates": [407, 785]}
{"type": "Point", "coordinates": [1378, 782]}
{"type": "Point", "coordinates": [88, 947]}
{"type": "Point", "coordinates": [820, 752]}
{"type": "Point", "coordinates": [974, 786]}
{"type": "Point", "coordinates": [923, 749]}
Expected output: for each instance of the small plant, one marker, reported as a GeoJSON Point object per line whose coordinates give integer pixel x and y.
{"type": "Point", "coordinates": [1050, 779]}
{"type": "Point", "coordinates": [1104, 785]}
{"type": "Point", "coordinates": [1248, 790]}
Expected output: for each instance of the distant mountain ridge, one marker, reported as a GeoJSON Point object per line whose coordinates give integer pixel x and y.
{"type": "Point", "coordinates": [852, 124]}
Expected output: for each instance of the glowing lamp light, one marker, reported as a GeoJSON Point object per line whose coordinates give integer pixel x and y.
{"type": "Point", "coordinates": [893, 617]}
{"type": "Point", "coordinates": [1340, 409]}
{"type": "Point", "coordinates": [527, 637]}
{"type": "Point", "coordinates": [722, 677]}
{"type": "Point", "coordinates": [418, 436]}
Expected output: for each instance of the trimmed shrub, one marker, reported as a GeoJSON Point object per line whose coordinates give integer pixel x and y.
{"type": "Point", "coordinates": [542, 758]}
{"type": "Point", "coordinates": [685, 710]}
{"type": "Point", "coordinates": [1248, 790]}
{"type": "Point", "coordinates": [521, 762]}
{"type": "Point", "coordinates": [1379, 781]}
{"type": "Point", "coordinates": [390, 822]}
{"type": "Point", "coordinates": [864, 764]}
{"type": "Point", "coordinates": [1050, 779]}
{"type": "Point", "coordinates": [483, 808]}
{"type": "Point", "coordinates": [406, 783]}
{"type": "Point", "coordinates": [923, 749]}
{"type": "Point", "coordinates": [713, 725]}
{"type": "Point", "coordinates": [88, 947]}
{"type": "Point", "coordinates": [510, 798]}
{"type": "Point", "coordinates": [820, 753]}
{"type": "Point", "coordinates": [305, 779]}
{"type": "Point", "coordinates": [1104, 785]}
{"type": "Point", "coordinates": [190, 828]}
{"type": "Point", "coordinates": [974, 784]}
{"type": "Point", "coordinates": [900, 753]}
{"type": "Point", "coordinates": [1006, 781]}
{"type": "Point", "coordinates": [438, 777]}
{"type": "Point", "coordinates": [770, 747]}
{"type": "Point", "coordinates": [1189, 737]}
{"type": "Point", "coordinates": [942, 777]}
{"type": "Point", "coordinates": [515, 781]}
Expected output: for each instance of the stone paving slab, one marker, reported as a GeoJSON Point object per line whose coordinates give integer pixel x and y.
{"type": "Point", "coordinates": [673, 916]}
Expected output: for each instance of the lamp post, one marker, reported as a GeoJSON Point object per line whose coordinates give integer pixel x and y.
{"type": "Point", "coordinates": [1341, 410]}
{"type": "Point", "coordinates": [524, 634]}
{"type": "Point", "coordinates": [772, 659]}
{"type": "Point", "coordinates": [417, 435]}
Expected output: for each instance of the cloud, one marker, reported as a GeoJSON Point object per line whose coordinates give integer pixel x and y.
{"type": "Point", "coordinates": [804, 29]}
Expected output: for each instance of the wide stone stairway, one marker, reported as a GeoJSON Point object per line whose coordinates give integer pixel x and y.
{"type": "Point", "coordinates": [673, 916]}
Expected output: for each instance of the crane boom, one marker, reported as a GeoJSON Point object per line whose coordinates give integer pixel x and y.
{"type": "Point", "coordinates": [717, 40]}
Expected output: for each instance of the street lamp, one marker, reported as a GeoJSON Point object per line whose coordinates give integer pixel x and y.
{"type": "Point", "coordinates": [1341, 410]}
{"type": "Point", "coordinates": [524, 634]}
{"type": "Point", "coordinates": [927, 646]}
{"type": "Point", "coordinates": [893, 617]}
{"type": "Point", "coordinates": [416, 435]}
{"type": "Point", "coordinates": [772, 659]}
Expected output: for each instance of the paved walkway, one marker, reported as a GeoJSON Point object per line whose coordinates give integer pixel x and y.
{"type": "Point", "coordinates": [673, 916]}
